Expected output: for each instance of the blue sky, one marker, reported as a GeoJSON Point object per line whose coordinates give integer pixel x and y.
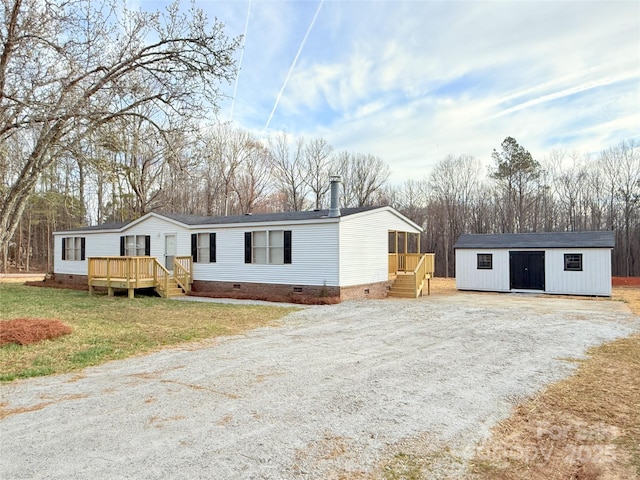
{"type": "Point", "coordinates": [413, 81]}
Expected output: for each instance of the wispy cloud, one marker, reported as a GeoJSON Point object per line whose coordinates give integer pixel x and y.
{"type": "Point", "coordinates": [414, 81]}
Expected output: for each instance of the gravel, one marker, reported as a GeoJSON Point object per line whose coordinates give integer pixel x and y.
{"type": "Point", "coordinates": [334, 392]}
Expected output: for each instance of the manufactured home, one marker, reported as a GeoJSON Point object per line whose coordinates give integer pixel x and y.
{"type": "Point", "coordinates": [572, 263]}
{"type": "Point", "coordinates": [347, 253]}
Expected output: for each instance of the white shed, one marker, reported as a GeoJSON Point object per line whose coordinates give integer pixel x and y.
{"type": "Point", "coordinates": [316, 253]}
{"type": "Point", "coordinates": [572, 263]}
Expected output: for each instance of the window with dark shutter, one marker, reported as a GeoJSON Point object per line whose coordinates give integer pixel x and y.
{"type": "Point", "coordinates": [194, 247]}
{"type": "Point", "coordinates": [287, 246]}
{"type": "Point", "coordinates": [122, 246]}
{"type": "Point", "coordinates": [147, 245]}
{"type": "Point", "coordinates": [73, 248]}
{"type": "Point", "coordinates": [212, 247]}
{"type": "Point", "coordinates": [247, 247]}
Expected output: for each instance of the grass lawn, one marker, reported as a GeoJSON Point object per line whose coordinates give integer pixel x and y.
{"type": "Point", "coordinates": [108, 328]}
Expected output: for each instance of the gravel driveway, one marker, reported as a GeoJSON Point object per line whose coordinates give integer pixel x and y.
{"type": "Point", "coordinates": [332, 393]}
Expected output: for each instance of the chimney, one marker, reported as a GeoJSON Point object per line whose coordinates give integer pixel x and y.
{"type": "Point", "coordinates": [334, 209]}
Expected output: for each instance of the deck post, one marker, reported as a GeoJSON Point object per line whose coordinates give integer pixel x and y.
{"type": "Point", "coordinates": [110, 291]}
{"type": "Point", "coordinates": [131, 293]}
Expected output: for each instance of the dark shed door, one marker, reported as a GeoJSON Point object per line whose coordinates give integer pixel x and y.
{"type": "Point", "coordinates": [526, 270]}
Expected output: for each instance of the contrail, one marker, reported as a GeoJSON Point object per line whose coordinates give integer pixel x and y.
{"type": "Point", "coordinates": [244, 39]}
{"type": "Point", "coordinates": [293, 65]}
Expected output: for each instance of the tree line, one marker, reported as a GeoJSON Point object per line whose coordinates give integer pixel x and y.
{"type": "Point", "coordinates": [103, 118]}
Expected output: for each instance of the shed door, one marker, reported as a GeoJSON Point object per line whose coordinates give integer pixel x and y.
{"type": "Point", "coordinates": [526, 270]}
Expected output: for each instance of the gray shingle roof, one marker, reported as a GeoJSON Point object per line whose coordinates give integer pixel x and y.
{"type": "Point", "coordinates": [261, 217]}
{"type": "Point", "coordinates": [604, 239]}
{"type": "Point", "coordinates": [195, 220]}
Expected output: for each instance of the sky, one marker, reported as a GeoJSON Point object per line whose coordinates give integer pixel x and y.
{"type": "Point", "coordinates": [414, 81]}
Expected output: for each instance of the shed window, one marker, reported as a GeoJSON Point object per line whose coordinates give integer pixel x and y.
{"type": "Point", "coordinates": [573, 262]}
{"type": "Point", "coordinates": [485, 261]}
{"type": "Point", "coordinates": [73, 248]}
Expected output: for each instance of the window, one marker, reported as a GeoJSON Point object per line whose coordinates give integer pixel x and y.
{"type": "Point", "coordinates": [203, 247]}
{"type": "Point", "coordinates": [573, 262]}
{"type": "Point", "coordinates": [272, 247]}
{"type": "Point", "coordinates": [73, 248]}
{"type": "Point", "coordinates": [135, 246]}
{"type": "Point", "coordinates": [485, 261]}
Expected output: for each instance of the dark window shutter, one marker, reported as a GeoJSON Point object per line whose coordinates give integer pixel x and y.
{"type": "Point", "coordinates": [287, 246]}
{"type": "Point", "coordinates": [122, 246]}
{"type": "Point", "coordinates": [212, 247]}
{"type": "Point", "coordinates": [247, 247]}
{"type": "Point", "coordinates": [194, 247]}
{"type": "Point", "coordinates": [147, 245]}
{"type": "Point", "coordinates": [82, 248]}
{"type": "Point", "coordinates": [64, 248]}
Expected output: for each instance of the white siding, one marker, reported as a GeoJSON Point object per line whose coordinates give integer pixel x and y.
{"type": "Point", "coordinates": [594, 279]}
{"type": "Point", "coordinates": [469, 277]}
{"type": "Point", "coordinates": [313, 256]}
{"type": "Point", "coordinates": [107, 244]}
{"type": "Point", "coordinates": [364, 246]}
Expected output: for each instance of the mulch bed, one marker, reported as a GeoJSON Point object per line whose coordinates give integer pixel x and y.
{"type": "Point", "coordinates": [25, 331]}
{"type": "Point", "coordinates": [625, 281]}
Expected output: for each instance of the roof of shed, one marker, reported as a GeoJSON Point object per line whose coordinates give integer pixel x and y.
{"type": "Point", "coordinates": [604, 239]}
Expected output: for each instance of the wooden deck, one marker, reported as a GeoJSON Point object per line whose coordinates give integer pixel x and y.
{"type": "Point", "coordinates": [132, 273]}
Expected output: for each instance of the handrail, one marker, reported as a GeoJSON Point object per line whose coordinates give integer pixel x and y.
{"type": "Point", "coordinates": [161, 276]}
{"type": "Point", "coordinates": [182, 276]}
{"type": "Point", "coordinates": [419, 275]}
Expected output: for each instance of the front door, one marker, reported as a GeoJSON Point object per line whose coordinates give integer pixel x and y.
{"type": "Point", "coordinates": [526, 270]}
{"type": "Point", "coordinates": [169, 251]}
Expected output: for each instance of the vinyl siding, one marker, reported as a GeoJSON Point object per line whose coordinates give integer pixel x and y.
{"type": "Point", "coordinates": [364, 246]}
{"type": "Point", "coordinates": [107, 244]}
{"type": "Point", "coordinates": [313, 253]}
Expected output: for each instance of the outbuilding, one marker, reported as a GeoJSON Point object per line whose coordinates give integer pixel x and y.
{"type": "Point", "coordinates": [571, 263]}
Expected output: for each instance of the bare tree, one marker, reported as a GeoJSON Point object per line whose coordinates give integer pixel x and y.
{"type": "Point", "coordinates": [364, 178]}
{"type": "Point", "coordinates": [318, 163]}
{"type": "Point", "coordinates": [96, 63]}
{"type": "Point", "coordinates": [287, 156]}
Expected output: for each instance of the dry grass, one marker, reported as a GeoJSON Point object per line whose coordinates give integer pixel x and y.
{"type": "Point", "coordinates": [585, 427]}
{"type": "Point", "coordinates": [107, 328]}
{"type": "Point", "coordinates": [25, 331]}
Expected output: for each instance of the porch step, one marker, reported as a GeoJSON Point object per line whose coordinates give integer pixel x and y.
{"type": "Point", "coordinates": [403, 287]}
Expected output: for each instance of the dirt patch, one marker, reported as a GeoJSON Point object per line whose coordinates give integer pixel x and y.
{"type": "Point", "coordinates": [25, 331]}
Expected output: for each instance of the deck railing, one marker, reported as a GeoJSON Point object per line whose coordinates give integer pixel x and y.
{"type": "Point", "coordinates": [138, 272]}
{"type": "Point", "coordinates": [130, 270]}
{"type": "Point", "coordinates": [408, 262]}
{"type": "Point", "coordinates": [182, 268]}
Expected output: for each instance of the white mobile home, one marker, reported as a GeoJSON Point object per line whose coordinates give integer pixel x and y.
{"type": "Point", "coordinates": [316, 253]}
{"type": "Point", "coordinates": [572, 263]}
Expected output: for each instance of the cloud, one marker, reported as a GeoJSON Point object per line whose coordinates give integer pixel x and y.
{"type": "Point", "coordinates": [414, 81]}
